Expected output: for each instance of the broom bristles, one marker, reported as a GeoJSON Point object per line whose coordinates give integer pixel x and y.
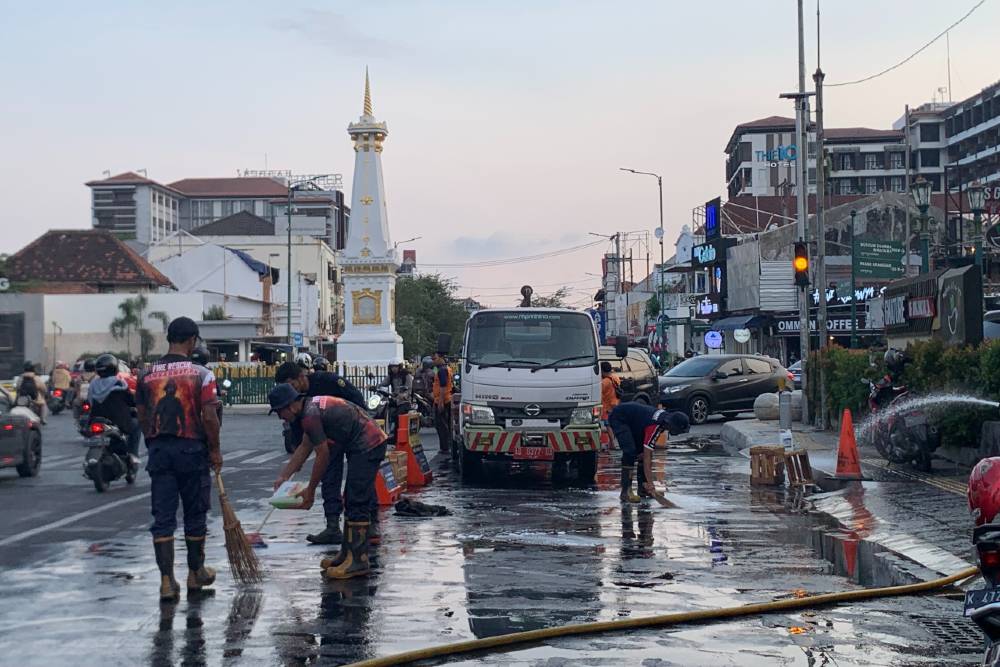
{"type": "Point", "coordinates": [242, 559]}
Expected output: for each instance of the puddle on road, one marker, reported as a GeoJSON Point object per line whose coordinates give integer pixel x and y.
{"type": "Point", "coordinates": [512, 558]}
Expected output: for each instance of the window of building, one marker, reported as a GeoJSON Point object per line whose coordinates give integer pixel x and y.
{"type": "Point", "coordinates": [930, 158]}
{"type": "Point", "coordinates": [896, 184]}
{"type": "Point", "coordinates": [812, 175]}
{"type": "Point", "coordinates": [873, 161]}
{"type": "Point", "coordinates": [844, 186]}
{"type": "Point", "coordinates": [896, 160]}
{"type": "Point", "coordinates": [812, 150]}
{"type": "Point", "coordinates": [930, 132]}
{"type": "Point", "coordinates": [871, 185]}
{"type": "Point", "coordinates": [227, 208]}
{"type": "Point", "coordinates": [846, 162]}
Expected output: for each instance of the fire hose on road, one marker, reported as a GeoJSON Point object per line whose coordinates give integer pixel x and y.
{"type": "Point", "coordinates": [502, 642]}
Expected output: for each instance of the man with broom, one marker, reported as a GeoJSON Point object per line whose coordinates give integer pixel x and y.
{"type": "Point", "coordinates": [181, 451]}
{"type": "Point", "coordinates": [334, 427]}
{"type": "Point", "coordinates": [637, 425]}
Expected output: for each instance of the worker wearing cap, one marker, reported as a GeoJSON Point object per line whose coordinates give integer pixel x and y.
{"type": "Point", "coordinates": [443, 388]}
{"type": "Point", "coordinates": [176, 402]}
{"type": "Point", "coordinates": [638, 425]}
{"type": "Point", "coordinates": [332, 426]}
{"type": "Point", "coordinates": [325, 383]}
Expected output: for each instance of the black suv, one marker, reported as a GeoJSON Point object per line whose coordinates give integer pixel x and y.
{"type": "Point", "coordinates": [636, 372]}
{"type": "Point", "coordinates": [726, 383]}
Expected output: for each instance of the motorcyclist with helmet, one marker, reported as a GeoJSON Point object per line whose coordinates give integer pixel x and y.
{"type": "Point", "coordinates": [81, 385]}
{"type": "Point", "coordinates": [61, 379]}
{"type": "Point", "coordinates": [111, 399]}
{"type": "Point", "coordinates": [30, 391]}
{"type": "Point", "coordinates": [320, 364]}
{"type": "Point", "coordinates": [895, 362]}
{"type": "Point", "coordinates": [304, 360]}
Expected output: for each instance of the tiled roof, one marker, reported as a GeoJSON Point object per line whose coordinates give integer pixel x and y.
{"type": "Point", "coordinates": [769, 123]}
{"type": "Point", "coordinates": [88, 257]}
{"type": "Point", "coordinates": [126, 178]}
{"type": "Point", "coordinates": [243, 223]}
{"type": "Point", "coordinates": [230, 187]}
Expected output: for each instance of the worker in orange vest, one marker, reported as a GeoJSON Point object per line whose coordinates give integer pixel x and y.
{"type": "Point", "coordinates": [442, 401]}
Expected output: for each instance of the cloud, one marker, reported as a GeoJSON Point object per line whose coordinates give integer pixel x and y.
{"type": "Point", "coordinates": [338, 33]}
{"type": "Point", "coordinates": [503, 245]}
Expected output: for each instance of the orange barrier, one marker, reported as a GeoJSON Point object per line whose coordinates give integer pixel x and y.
{"type": "Point", "coordinates": [387, 488]}
{"type": "Point", "coordinates": [848, 462]}
{"type": "Point", "coordinates": [418, 469]}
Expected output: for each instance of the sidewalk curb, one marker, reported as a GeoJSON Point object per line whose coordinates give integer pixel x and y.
{"type": "Point", "coordinates": [866, 559]}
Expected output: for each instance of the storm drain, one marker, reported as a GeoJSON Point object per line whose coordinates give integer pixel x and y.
{"type": "Point", "coordinates": [959, 633]}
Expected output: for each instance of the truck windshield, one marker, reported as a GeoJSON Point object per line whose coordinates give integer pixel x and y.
{"type": "Point", "coordinates": [529, 339]}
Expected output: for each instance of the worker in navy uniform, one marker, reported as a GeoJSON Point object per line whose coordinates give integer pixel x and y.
{"type": "Point", "coordinates": [176, 403]}
{"type": "Point", "coordinates": [334, 428]}
{"type": "Point", "coordinates": [637, 425]}
{"type": "Point", "coordinates": [324, 383]}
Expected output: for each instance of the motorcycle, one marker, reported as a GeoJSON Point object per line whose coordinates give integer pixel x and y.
{"type": "Point", "coordinates": [425, 409]}
{"type": "Point", "coordinates": [983, 605]}
{"type": "Point", "coordinates": [107, 457]}
{"type": "Point", "coordinates": [906, 435]}
{"type": "Point", "coordinates": [81, 412]}
{"type": "Point", "coordinates": [383, 406]}
{"type": "Point", "coordinates": [56, 400]}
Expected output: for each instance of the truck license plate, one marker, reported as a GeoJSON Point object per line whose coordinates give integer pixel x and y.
{"type": "Point", "coordinates": [533, 454]}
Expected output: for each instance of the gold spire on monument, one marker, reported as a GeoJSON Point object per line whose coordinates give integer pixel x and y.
{"type": "Point", "coordinates": [368, 97]}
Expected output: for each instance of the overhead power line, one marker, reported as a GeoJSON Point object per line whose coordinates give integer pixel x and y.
{"type": "Point", "coordinates": [515, 260]}
{"type": "Point", "coordinates": [912, 55]}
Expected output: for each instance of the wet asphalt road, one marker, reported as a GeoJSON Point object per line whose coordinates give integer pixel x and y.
{"type": "Point", "coordinates": [78, 581]}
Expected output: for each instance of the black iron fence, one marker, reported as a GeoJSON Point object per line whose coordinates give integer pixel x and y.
{"type": "Point", "coordinates": [250, 384]}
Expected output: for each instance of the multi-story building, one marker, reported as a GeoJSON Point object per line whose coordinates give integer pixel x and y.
{"type": "Point", "coordinates": [972, 132]}
{"type": "Point", "coordinates": [137, 208]}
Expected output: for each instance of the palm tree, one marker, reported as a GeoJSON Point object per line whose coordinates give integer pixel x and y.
{"type": "Point", "coordinates": [132, 318]}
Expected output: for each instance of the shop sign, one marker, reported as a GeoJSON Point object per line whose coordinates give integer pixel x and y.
{"type": "Point", "coordinates": [921, 307]}
{"type": "Point", "coordinates": [713, 218]}
{"type": "Point", "coordinates": [895, 310]}
{"type": "Point", "coordinates": [780, 156]}
{"type": "Point", "coordinates": [993, 236]}
{"type": "Point", "coordinates": [703, 254]}
{"type": "Point", "coordinates": [790, 326]}
{"type": "Point", "coordinates": [741, 335]}
{"type": "Point", "coordinates": [713, 340]}
{"type": "Point", "coordinates": [961, 306]}
{"type": "Point", "coordinates": [709, 305]}
{"type": "Point", "coordinates": [840, 297]}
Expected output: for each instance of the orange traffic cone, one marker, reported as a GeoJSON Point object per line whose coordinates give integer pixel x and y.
{"type": "Point", "coordinates": [848, 463]}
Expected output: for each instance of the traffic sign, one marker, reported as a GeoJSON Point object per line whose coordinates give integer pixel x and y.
{"type": "Point", "coordinates": [878, 259]}
{"type": "Point", "coordinates": [297, 339]}
{"type": "Point", "coordinates": [713, 339]}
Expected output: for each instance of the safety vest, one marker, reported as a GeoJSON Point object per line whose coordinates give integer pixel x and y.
{"type": "Point", "coordinates": [442, 395]}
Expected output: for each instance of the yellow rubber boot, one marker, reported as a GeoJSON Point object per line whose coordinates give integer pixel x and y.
{"type": "Point", "coordinates": [355, 562]}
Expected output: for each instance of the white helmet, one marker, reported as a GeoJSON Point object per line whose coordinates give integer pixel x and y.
{"type": "Point", "coordinates": [304, 360]}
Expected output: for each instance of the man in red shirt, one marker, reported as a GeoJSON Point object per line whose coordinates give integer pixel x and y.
{"type": "Point", "coordinates": [176, 402]}
{"type": "Point", "coordinates": [333, 427]}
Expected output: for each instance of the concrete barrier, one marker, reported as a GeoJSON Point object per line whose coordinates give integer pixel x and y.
{"type": "Point", "coordinates": [765, 407]}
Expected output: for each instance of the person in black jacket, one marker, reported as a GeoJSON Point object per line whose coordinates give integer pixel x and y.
{"type": "Point", "coordinates": [324, 383]}
{"type": "Point", "coordinates": [111, 399]}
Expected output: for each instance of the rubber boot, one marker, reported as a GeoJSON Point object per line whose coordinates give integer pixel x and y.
{"type": "Point", "coordinates": [199, 576]}
{"type": "Point", "coordinates": [355, 564]}
{"type": "Point", "coordinates": [627, 496]}
{"type": "Point", "coordinates": [336, 560]}
{"type": "Point", "coordinates": [640, 481]}
{"type": "Point", "coordinates": [330, 535]}
{"type": "Point", "coordinates": [170, 590]}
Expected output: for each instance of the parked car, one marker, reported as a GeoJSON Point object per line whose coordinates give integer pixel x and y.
{"type": "Point", "coordinates": [636, 372]}
{"type": "Point", "coordinates": [20, 437]}
{"type": "Point", "coordinates": [796, 371]}
{"type": "Point", "coordinates": [726, 383]}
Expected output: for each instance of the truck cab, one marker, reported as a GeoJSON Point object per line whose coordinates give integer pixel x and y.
{"type": "Point", "coordinates": [530, 390]}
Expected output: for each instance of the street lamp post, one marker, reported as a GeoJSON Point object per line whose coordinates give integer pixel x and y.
{"type": "Point", "coordinates": [659, 282]}
{"type": "Point", "coordinates": [921, 191]}
{"type": "Point", "coordinates": [977, 202]}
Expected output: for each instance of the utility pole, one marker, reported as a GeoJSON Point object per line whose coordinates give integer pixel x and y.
{"type": "Point", "coordinates": [801, 177]}
{"type": "Point", "coordinates": [820, 229]}
{"type": "Point", "coordinates": [906, 188]}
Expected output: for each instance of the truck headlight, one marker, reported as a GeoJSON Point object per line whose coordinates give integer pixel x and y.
{"type": "Point", "coordinates": [477, 414]}
{"type": "Point", "coordinates": [676, 388]}
{"type": "Point", "coordinates": [585, 416]}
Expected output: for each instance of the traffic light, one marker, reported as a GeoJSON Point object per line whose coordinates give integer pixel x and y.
{"type": "Point", "coordinates": [801, 264]}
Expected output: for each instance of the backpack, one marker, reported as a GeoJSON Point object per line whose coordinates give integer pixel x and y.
{"type": "Point", "coordinates": [28, 388]}
{"type": "Point", "coordinates": [617, 384]}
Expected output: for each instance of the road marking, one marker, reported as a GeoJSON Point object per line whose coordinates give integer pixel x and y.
{"type": "Point", "coordinates": [237, 453]}
{"type": "Point", "coordinates": [263, 458]}
{"type": "Point", "coordinates": [57, 460]}
{"type": "Point", "coordinates": [945, 484]}
{"type": "Point", "coordinates": [71, 519]}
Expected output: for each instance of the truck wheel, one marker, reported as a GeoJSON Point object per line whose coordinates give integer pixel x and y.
{"type": "Point", "coordinates": [586, 467]}
{"type": "Point", "coordinates": [560, 468]}
{"type": "Point", "coordinates": [470, 465]}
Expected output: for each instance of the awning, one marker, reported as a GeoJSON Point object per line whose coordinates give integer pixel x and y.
{"type": "Point", "coordinates": [739, 322]}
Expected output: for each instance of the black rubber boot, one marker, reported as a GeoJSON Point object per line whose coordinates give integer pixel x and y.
{"type": "Point", "coordinates": [170, 590]}
{"type": "Point", "coordinates": [330, 535]}
{"type": "Point", "coordinates": [374, 532]}
{"type": "Point", "coordinates": [199, 576]}
{"type": "Point", "coordinates": [627, 496]}
{"type": "Point", "coordinates": [355, 564]}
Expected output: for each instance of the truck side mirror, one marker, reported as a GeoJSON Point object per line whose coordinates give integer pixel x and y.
{"type": "Point", "coordinates": [621, 348]}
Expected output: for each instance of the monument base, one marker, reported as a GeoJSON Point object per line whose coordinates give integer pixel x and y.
{"type": "Point", "coordinates": [369, 349]}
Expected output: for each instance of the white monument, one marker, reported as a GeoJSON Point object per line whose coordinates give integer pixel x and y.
{"type": "Point", "coordinates": [370, 262]}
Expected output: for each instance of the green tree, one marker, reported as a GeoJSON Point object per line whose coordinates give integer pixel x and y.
{"type": "Point", "coordinates": [555, 300]}
{"type": "Point", "coordinates": [426, 306]}
{"type": "Point", "coordinates": [131, 319]}
{"type": "Point", "coordinates": [653, 307]}
{"type": "Point", "coordinates": [215, 312]}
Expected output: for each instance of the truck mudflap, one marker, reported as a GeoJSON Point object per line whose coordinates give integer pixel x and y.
{"type": "Point", "coordinates": [496, 441]}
